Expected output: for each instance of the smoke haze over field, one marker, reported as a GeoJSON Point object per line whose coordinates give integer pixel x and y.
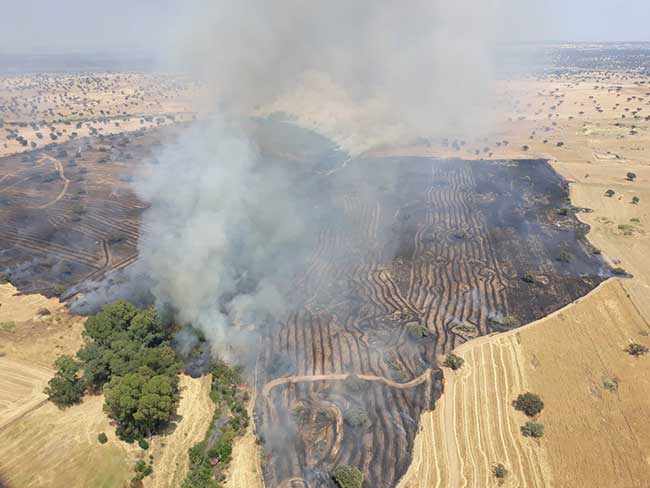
{"type": "Point", "coordinates": [225, 230]}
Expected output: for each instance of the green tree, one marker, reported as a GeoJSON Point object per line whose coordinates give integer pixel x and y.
{"type": "Point", "coordinates": [636, 349]}
{"type": "Point", "coordinates": [113, 318]}
{"type": "Point", "coordinates": [347, 476]}
{"type": "Point", "coordinates": [102, 438]}
{"type": "Point", "coordinates": [532, 429]}
{"type": "Point", "coordinates": [146, 329]}
{"type": "Point", "coordinates": [96, 361]}
{"type": "Point", "coordinates": [157, 403]}
{"type": "Point", "coordinates": [500, 472]}
{"type": "Point", "coordinates": [454, 362]}
{"type": "Point", "coordinates": [529, 403]}
{"type": "Point", "coordinates": [66, 387]}
{"type": "Point", "coordinates": [122, 396]}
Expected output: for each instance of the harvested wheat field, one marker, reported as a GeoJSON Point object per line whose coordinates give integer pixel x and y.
{"type": "Point", "coordinates": [170, 449]}
{"type": "Point", "coordinates": [61, 444]}
{"type": "Point", "coordinates": [567, 358]}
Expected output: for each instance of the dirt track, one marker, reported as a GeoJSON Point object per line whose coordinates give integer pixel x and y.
{"type": "Point", "coordinates": [66, 182]}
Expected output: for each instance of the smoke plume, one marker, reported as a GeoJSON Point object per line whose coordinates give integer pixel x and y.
{"type": "Point", "coordinates": [227, 229]}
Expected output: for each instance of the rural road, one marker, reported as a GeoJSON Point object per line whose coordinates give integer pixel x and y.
{"type": "Point", "coordinates": [339, 377]}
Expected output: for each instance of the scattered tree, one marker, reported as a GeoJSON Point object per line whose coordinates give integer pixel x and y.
{"type": "Point", "coordinates": [610, 193]}
{"type": "Point", "coordinates": [636, 349]}
{"type": "Point", "coordinates": [102, 438]}
{"type": "Point", "coordinates": [635, 200]}
{"type": "Point", "coordinates": [59, 290]}
{"type": "Point", "coordinates": [528, 277]}
{"type": "Point", "coordinates": [453, 362]}
{"type": "Point", "coordinates": [347, 476]}
{"type": "Point", "coordinates": [416, 330]}
{"type": "Point", "coordinates": [630, 176]}
{"type": "Point", "coordinates": [500, 472]}
{"type": "Point", "coordinates": [532, 429]}
{"type": "Point", "coordinates": [529, 403]}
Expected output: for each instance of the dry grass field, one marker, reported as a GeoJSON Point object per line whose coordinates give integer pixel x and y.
{"type": "Point", "coordinates": [52, 108]}
{"type": "Point", "coordinates": [566, 358]}
{"type": "Point", "coordinates": [43, 446]}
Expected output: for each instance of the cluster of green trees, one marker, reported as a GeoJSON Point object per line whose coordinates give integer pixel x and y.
{"type": "Point", "coordinates": [127, 356]}
{"type": "Point", "coordinates": [210, 458]}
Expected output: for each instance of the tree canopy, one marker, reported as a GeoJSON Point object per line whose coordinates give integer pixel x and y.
{"type": "Point", "coordinates": [127, 355]}
{"type": "Point", "coordinates": [529, 403]}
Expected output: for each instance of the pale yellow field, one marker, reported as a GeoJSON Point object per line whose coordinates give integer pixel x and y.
{"type": "Point", "coordinates": [73, 105]}
{"type": "Point", "coordinates": [45, 447]}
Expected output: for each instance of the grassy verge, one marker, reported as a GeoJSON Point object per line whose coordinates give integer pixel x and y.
{"type": "Point", "coordinates": [210, 458]}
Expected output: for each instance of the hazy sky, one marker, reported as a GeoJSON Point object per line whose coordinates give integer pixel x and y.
{"type": "Point", "coordinates": [139, 24]}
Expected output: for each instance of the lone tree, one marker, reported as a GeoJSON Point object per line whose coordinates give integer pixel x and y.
{"type": "Point", "coordinates": [610, 193]}
{"type": "Point", "coordinates": [529, 403]}
{"type": "Point", "coordinates": [454, 362]}
{"type": "Point", "coordinates": [347, 476]}
{"type": "Point", "coordinates": [532, 429]}
{"type": "Point", "coordinates": [631, 176]}
{"type": "Point", "coordinates": [636, 349]}
{"type": "Point", "coordinates": [635, 200]}
{"type": "Point", "coordinates": [500, 472]}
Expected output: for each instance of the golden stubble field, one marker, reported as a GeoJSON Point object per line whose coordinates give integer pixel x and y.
{"type": "Point", "coordinates": [44, 446]}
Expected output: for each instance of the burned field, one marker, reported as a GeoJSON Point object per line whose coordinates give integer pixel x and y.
{"type": "Point", "coordinates": [68, 213]}
{"type": "Point", "coordinates": [413, 257]}
{"type": "Point", "coordinates": [403, 260]}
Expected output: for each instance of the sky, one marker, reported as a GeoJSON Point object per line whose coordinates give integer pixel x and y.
{"type": "Point", "coordinates": [140, 25]}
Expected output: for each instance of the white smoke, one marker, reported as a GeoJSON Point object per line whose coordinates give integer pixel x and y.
{"type": "Point", "coordinates": [365, 72]}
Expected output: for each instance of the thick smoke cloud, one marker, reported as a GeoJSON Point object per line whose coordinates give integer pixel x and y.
{"type": "Point", "coordinates": [226, 228]}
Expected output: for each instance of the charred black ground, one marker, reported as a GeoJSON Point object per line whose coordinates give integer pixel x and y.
{"type": "Point", "coordinates": [413, 257]}
{"type": "Point", "coordinates": [403, 259]}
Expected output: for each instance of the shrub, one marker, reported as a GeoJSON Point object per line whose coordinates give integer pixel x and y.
{"type": "Point", "coordinates": [355, 384]}
{"type": "Point", "coordinates": [347, 476]}
{"type": "Point", "coordinates": [529, 403]}
{"type": "Point", "coordinates": [500, 472]}
{"type": "Point", "coordinates": [59, 290]}
{"type": "Point", "coordinates": [532, 429]}
{"type": "Point", "coordinates": [453, 361]}
{"type": "Point", "coordinates": [610, 385]}
{"type": "Point", "coordinates": [610, 193]}
{"type": "Point", "coordinates": [143, 444]}
{"type": "Point", "coordinates": [416, 330]}
{"type": "Point", "coordinates": [355, 417]}
{"type": "Point", "coordinates": [630, 176]}
{"type": "Point", "coordinates": [528, 277]}
{"type": "Point", "coordinates": [636, 349]}
{"type": "Point", "coordinates": [102, 438]}
{"type": "Point", "coordinates": [618, 271]}
{"type": "Point", "coordinates": [635, 200]}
